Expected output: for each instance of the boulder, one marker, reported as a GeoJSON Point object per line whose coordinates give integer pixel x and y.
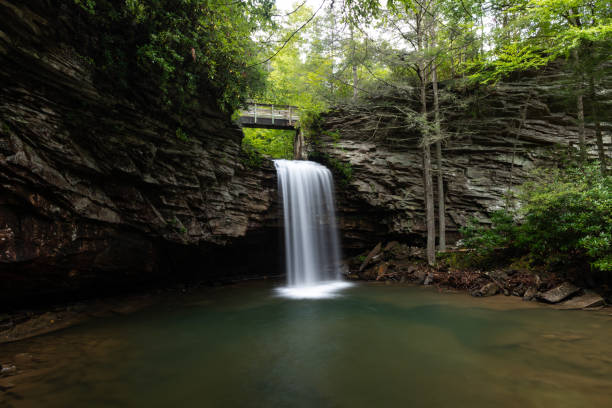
{"type": "Point", "coordinates": [374, 252]}
{"type": "Point", "coordinates": [490, 289]}
{"type": "Point", "coordinates": [23, 358]}
{"type": "Point", "coordinates": [381, 270]}
{"type": "Point", "coordinates": [7, 369]}
{"type": "Point", "coordinates": [428, 279]}
{"type": "Point", "coordinates": [498, 275]}
{"type": "Point", "coordinates": [586, 300]}
{"type": "Point", "coordinates": [420, 275]}
{"type": "Point", "coordinates": [557, 294]}
{"type": "Point", "coordinates": [370, 273]}
{"type": "Point", "coordinates": [390, 246]}
{"type": "Point", "coordinates": [530, 293]}
{"type": "Point", "coordinates": [519, 290]}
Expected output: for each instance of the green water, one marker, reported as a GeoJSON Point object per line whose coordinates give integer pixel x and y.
{"type": "Point", "coordinates": [375, 346]}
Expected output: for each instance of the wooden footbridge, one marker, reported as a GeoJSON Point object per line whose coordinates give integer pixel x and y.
{"type": "Point", "coordinates": [267, 116]}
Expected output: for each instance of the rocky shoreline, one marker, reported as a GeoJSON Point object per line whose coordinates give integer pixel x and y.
{"type": "Point", "coordinates": [396, 262]}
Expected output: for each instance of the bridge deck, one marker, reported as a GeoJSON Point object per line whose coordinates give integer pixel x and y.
{"type": "Point", "coordinates": [268, 116]}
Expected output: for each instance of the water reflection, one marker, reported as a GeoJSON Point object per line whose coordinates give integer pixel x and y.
{"type": "Point", "coordinates": [372, 346]}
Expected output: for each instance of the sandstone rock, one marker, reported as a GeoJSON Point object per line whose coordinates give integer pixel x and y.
{"type": "Point", "coordinates": [384, 194]}
{"type": "Point", "coordinates": [519, 290]}
{"type": "Point", "coordinates": [498, 275]}
{"type": "Point", "coordinates": [489, 289]}
{"type": "Point", "coordinates": [530, 294]}
{"type": "Point", "coordinates": [586, 300]}
{"type": "Point", "coordinates": [558, 293]}
{"type": "Point", "coordinates": [420, 275]}
{"type": "Point", "coordinates": [370, 273]}
{"type": "Point", "coordinates": [6, 385]}
{"type": "Point", "coordinates": [538, 282]}
{"type": "Point", "coordinates": [97, 191]}
{"type": "Point", "coordinates": [7, 369]}
{"type": "Point", "coordinates": [374, 252]}
{"type": "Point", "coordinates": [381, 270]}
{"type": "Point", "coordinates": [390, 246]}
{"type": "Point", "coordinates": [23, 359]}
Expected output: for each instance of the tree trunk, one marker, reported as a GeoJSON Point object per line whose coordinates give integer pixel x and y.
{"type": "Point", "coordinates": [427, 177]}
{"type": "Point", "coordinates": [441, 204]}
{"type": "Point", "coordinates": [581, 132]}
{"type": "Point", "coordinates": [601, 148]}
{"type": "Point", "coordinates": [354, 67]}
{"type": "Point", "coordinates": [354, 82]}
{"type": "Point", "coordinates": [523, 112]}
{"type": "Point", "coordinates": [580, 112]}
{"type": "Point", "coordinates": [598, 136]}
{"type": "Point", "coordinates": [332, 52]}
{"type": "Point", "coordinates": [429, 205]}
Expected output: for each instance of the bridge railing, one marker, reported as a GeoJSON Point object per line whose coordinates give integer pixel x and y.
{"type": "Point", "coordinates": [263, 114]}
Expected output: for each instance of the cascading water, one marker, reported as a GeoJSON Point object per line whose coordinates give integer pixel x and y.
{"type": "Point", "coordinates": [311, 234]}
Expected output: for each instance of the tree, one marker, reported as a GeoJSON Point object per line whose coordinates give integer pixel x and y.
{"type": "Point", "coordinates": [438, 142]}
{"type": "Point", "coordinates": [416, 15]}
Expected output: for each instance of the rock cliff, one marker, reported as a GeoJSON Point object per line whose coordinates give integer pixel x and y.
{"type": "Point", "coordinates": [97, 191]}
{"type": "Point", "coordinates": [489, 150]}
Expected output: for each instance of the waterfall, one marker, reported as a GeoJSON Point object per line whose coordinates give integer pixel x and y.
{"type": "Point", "coordinates": [312, 245]}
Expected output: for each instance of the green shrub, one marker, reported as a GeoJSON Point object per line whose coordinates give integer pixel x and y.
{"type": "Point", "coordinates": [182, 135]}
{"type": "Point", "coordinates": [484, 239]}
{"type": "Point", "coordinates": [568, 214]}
{"type": "Point", "coordinates": [340, 168]}
{"type": "Point", "coordinates": [565, 217]}
{"type": "Point", "coordinates": [343, 168]}
{"type": "Point", "coordinates": [251, 156]}
{"type": "Point", "coordinates": [311, 123]}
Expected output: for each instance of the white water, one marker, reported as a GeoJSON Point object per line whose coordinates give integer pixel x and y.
{"type": "Point", "coordinates": [312, 246]}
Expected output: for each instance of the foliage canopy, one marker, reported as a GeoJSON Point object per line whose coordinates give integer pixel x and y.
{"type": "Point", "coordinates": [189, 50]}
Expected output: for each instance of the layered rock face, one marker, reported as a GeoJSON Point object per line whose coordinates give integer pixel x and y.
{"type": "Point", "coordinates": [97, 191]}
{"type": "Point", "coordinates": [488, 151]}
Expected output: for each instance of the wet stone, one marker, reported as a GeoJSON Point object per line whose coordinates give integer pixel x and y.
{"type": "Point", "coordinates": [530, 294]}
{"type": "Point", "coordinates": [589, 299]}
{"type": "Point", "coordinates": [559, 293]}
{"type": "Point", "coordinates": [490, 289]}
